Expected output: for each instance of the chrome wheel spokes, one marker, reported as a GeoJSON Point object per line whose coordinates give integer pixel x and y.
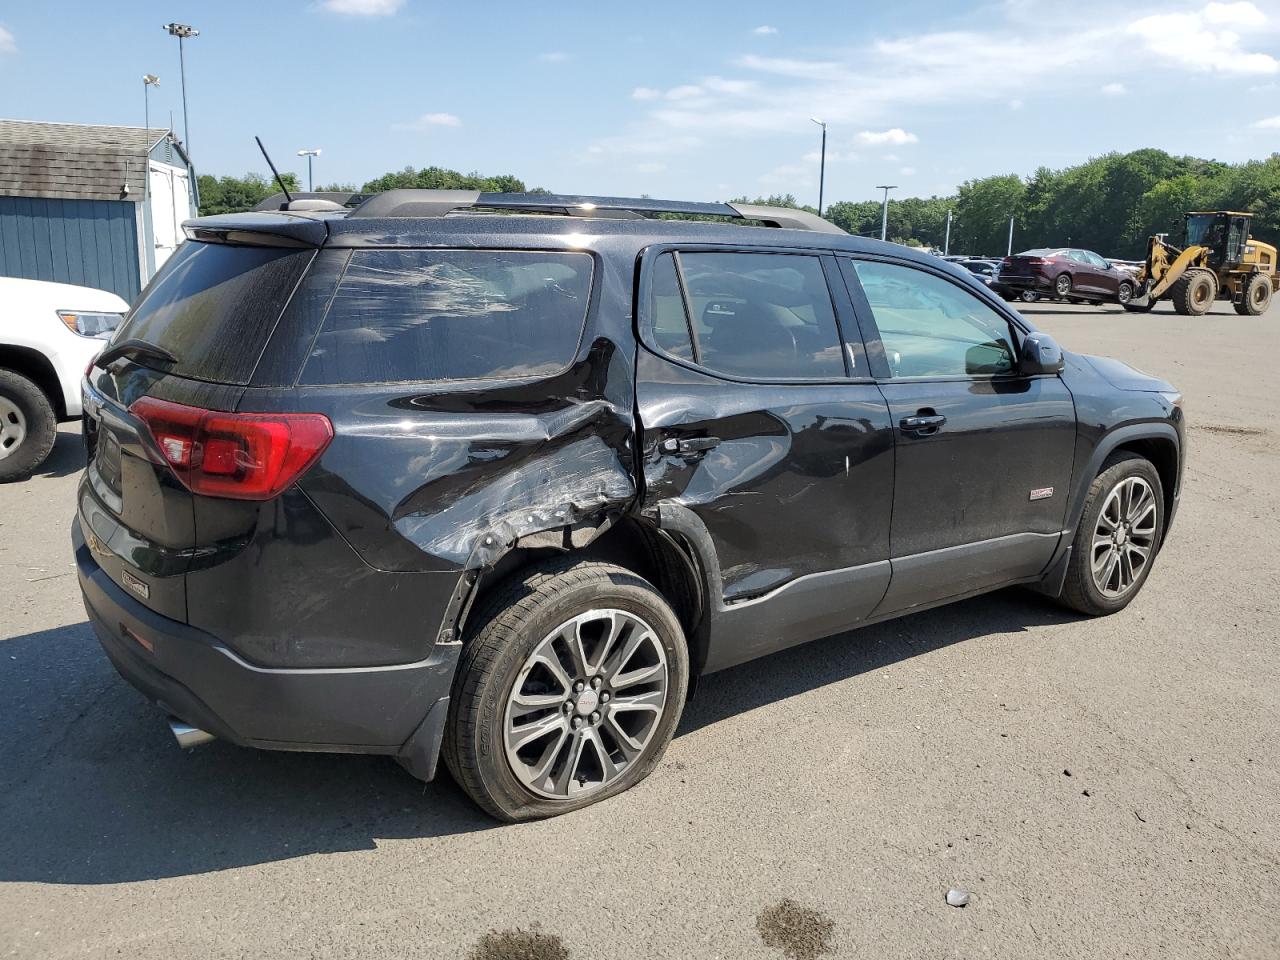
{"type": "Point", "coordinates": [1124, 537]}
{"type": "Point", "coordinates": [585, 703]}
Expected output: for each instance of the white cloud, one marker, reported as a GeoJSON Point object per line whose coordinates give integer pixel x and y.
{"type": "Point", "coordinates": [555, 56]}
{"type": "Point", "coordinates": [363, 8]}
{"type": "Point", "coordinates": [1203, 41]}
{"type": "Point", "coordinates": [1114, 89]}
{"type": "Point", "coordinates": [1270, 123]}
{"type": "Point", "coordinates": [872, 85]}
{"type": "Point", "coordinates": [685, 92]}
{"type": "Point", "coordinates": [895, 135]}
{"type": "Point", "coordinates": [764, 30]}
{"type": "Point", "coordinates": [651, 167]}
{"type": "Point", "coordinates": [431, 120]}
{"type": "Point", "coordinates": [7, 43]}
{"type": "Point", "coordinates": [1235, 14]}
{"type": "Point", "coordinates": [907, 171]}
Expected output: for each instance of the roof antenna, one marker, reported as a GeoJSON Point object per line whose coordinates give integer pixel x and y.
{"type": "Point", "coordinates": [287, 197]}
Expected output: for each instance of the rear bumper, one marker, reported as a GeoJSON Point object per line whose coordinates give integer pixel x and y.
{"type": "Point", "coordinates": [1028, 282]}
{"type": "Point", "coordinates": [397, 710]}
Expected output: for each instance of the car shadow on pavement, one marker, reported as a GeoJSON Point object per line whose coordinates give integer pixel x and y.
{"type": "Point", "coordinates": [67, 456]}
{"type": "Point", "coordinates": [93, 789]}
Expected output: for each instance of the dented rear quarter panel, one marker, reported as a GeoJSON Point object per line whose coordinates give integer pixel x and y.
{"type": "Point", "coordinates": [447, 476]}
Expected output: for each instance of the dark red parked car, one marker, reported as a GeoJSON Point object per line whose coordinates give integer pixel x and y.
{"type": "Point", "coordinates": [1064, 273]}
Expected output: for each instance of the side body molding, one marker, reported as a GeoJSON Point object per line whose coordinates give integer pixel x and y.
{"type": "Point", "coordinates": [804, 609]}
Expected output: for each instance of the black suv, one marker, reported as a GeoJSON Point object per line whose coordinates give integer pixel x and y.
{"type": "Point", "coordinates": [499, 476]}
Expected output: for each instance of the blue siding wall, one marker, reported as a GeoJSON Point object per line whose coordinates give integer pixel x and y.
{"type": "Point", "coordinates": [93, 243]}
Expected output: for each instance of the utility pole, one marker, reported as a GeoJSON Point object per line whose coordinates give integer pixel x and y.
{"type": "Point", "coordinates": [884, 209]}
{"type": "Point", "coordinates": [822, 166]}
{"type": "Point", "coordinates": [1010, 253]}
{"type": "Point", "coordinates": [946, 244]}
{"type": "Point", "coordinates": [183, 32]}
{"type": "Point", "coordinates": [311, 185]}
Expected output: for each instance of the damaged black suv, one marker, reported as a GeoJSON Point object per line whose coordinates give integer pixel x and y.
{"type": "Point", "coordinates": [498, 476]}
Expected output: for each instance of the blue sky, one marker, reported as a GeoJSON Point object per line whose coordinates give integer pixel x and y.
{"type": "Point", "coordinates": [683, 100]}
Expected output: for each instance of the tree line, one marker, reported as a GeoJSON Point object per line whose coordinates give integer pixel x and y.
{"type": "Point", "coordinates": [1110, 203]}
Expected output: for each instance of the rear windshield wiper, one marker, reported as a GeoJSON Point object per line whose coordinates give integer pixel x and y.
{"type": "Point", "coordinates": [135, 349]}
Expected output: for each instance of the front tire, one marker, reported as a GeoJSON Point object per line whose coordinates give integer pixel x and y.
{"type": "Point", "coordinates": [1193, 293]}
{"type": "Point", "coordinates": [568, 690]}
{"type": "Point", "coordinates": [1124, 293]}
{"type": "Point", "coordinates": [1118, 537]}
{"type": "Point", "coordinates": [28, 427]}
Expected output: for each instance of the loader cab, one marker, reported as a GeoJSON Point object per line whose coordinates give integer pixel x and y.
{"type": "Point", "coordinates": [1225, 233]}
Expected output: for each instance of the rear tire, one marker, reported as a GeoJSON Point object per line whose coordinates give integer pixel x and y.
{"type": "Point", "coordinates": [505, 675]}
{"type": "Point", "coordinates": [1062, 285]}
{"type": "Point", "coordinates": [1092, 587]}
{"type": "Point", "coordinates": [1028, 296]}
{"type": "Point", "coordinates": [28, 427]}
{"type": "Point", "coordinates": [1193, 293]}
{"type": "Point", "coordinates": [1257, 296]}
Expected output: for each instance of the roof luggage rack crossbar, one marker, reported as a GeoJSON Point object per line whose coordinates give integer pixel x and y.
{"type": "Point", "coordinates": [439, 203]}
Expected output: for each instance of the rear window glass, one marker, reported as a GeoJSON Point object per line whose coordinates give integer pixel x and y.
{"type": "Point", "coordinates": [401, 315]}
{"type": "Point", "coordinates": [213, 305]}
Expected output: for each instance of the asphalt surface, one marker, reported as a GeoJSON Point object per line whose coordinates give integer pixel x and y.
{"type": "Point", "coordinates": [1102, 788]}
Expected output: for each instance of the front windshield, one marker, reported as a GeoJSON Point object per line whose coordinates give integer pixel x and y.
{"type": "Point", "coordinates": [1198, 225]}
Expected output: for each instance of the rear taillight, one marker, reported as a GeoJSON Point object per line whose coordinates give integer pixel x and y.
{"type": "Point", "coordinates": [241, 456]}
{"type": "Point", "coordinates": [1037, 261]}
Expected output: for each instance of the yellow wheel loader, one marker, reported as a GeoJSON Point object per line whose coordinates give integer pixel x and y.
{"type": "Point", "coordinates": [1220, 260]}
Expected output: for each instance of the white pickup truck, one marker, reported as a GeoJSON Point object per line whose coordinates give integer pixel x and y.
{"type": "Point", "coordinates": [48, 334]}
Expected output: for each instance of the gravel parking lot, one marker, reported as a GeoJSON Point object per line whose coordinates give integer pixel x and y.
{"type": "Point", "coordinates": [1104, 788]}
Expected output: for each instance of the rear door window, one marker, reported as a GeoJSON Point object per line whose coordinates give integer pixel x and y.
{"type": "Point", "coordinates": [213, 306]}
{"type": "Point", "coordinates": [759, 315]}
{"type": "Point", "coordinates": [420, 315]}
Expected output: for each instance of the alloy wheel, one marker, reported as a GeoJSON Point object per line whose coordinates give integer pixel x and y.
{"type": "Point", "coordinates": [1124, 537]}
{"type": "Point", "coordinates": [13, 427]}
{"type": "Point", "coordinates": [585, 704]}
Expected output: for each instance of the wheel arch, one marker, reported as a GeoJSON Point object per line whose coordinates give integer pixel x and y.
{"type": "Point", "coordinates": [1158, 443]}
{"type": "Point", "coordinates": [637, 544]}
{"type": "Point", "coordinates": [37, 368]}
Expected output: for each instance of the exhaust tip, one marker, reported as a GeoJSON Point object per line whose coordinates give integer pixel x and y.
{"type": "Point", "coordinates": [187, 735]}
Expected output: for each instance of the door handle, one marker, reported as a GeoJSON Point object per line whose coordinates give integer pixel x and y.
{"type": "Point", "coordinates": [690, 445]}
{"type": "Point", "coordinates": [922, 423]}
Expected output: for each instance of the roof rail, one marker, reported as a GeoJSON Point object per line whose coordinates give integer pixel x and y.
{"type": "Point", "coordinates": [439, 203]}
{"type": "Point", "coordinates": [277, 201]}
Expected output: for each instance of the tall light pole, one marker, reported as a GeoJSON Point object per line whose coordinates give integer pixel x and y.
{"type": "Point", "coordinates": [822, 166]}
{"type": "Point", "coordinates": [149, 80]}
{"type": "Point", "coordinates": [884, 209]}
{"type": "Point", "coordinates": [309, 154]}
{"type": "Point", "coordinates": [183, 32]}
{"type": "Point", "coordinates": [946, 244]}
{"type": "Point", "coordinates": [1010, 253]}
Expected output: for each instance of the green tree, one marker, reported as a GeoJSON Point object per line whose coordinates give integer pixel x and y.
{"type": "Point", "coordinates": [238, 194]}
{"type": "Point", "coordinates": [983, 209]}
{"type": "Point", "coordinates": [438, 178]}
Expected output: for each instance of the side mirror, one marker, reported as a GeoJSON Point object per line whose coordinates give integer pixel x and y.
{"type": "Point", "coordinates": [1040, 354]}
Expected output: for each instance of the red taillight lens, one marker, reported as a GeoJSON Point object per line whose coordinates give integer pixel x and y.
{"type": "Point", "coordinates": [1037, 261]}
{"type": "Point", "coordinates": [241, 456]}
